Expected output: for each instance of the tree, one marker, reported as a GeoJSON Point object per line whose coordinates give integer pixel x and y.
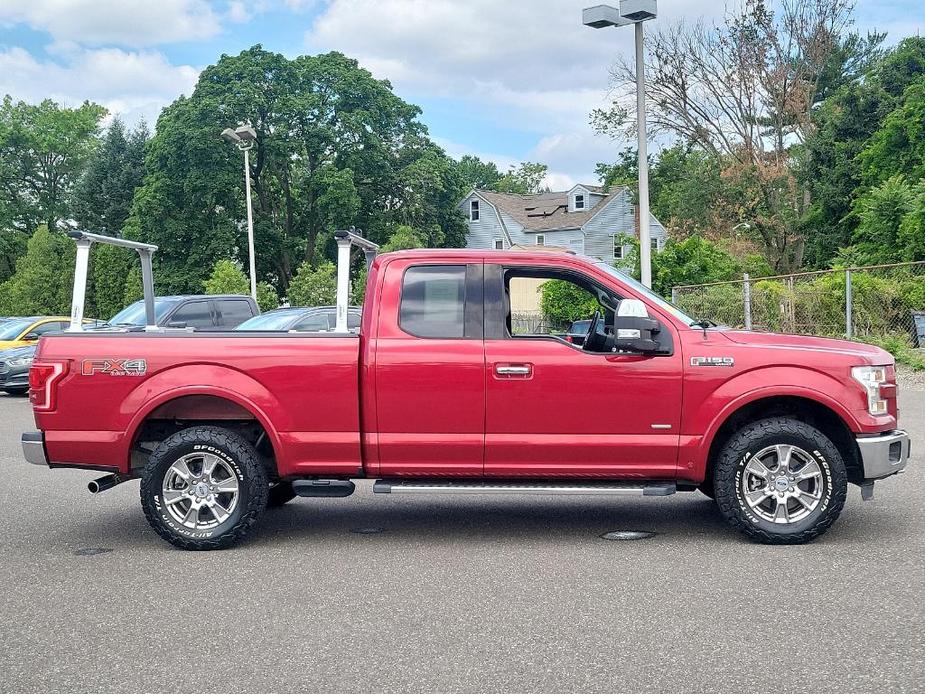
{"type": "Point", "coordinates": [335, 148]}
{"type": "Point", "coordinates": [881, 212]}
{"type": "Point", "coordinates": [109, 268]}
{"type": "Point", "coordinates": [563, 302]}
{"type": "Point", "coordinates": [314, 286]}
{"type": "Point", "coordinates": [43, 151]}
{"type": "Point", "coordinates": [403, 238]}
{"type": "Point", "coordinates": [744, 93]}
{"type": "Point", "coordinates": [475, 173]}
{"type": "Point", "coordinates": [696, 260]}
{"type": "Point", "coordinates": [44, 277]}
{"type": "Point", "coordinates": [523, 180]}
{"type": "Point", "coordinates": [267, 298]}
{"type": "Point", "coordinates": [227, 278]}
{"type": "Point", "coordinates": [103, 196]}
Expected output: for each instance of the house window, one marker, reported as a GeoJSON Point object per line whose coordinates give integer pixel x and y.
{"type": "Point", "coordinates": [579, 202]}
{"type": "Point", "coordinates": [499, 245]}
{"type": "Point", "coordinates": [474, 210]}
{"type": "Point", "coordinates": [617, 248]}
{"type": "Point", "coordinates": [653, 242]}
{"type": "Point", "coordinates": [540, 239]}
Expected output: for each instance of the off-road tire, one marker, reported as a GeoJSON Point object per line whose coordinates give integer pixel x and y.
{"type": "Point", "coordinates": [252, 485]}
{"type": "Point", "coordinates": [753, 438]}
{"type": "Point", "coordinates": [280, 493]}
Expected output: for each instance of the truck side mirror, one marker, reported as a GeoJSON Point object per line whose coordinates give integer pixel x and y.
{"type": "Point", "coordinates": [30, 337]}
{"type": "Point", "coordinates": [633, 329]}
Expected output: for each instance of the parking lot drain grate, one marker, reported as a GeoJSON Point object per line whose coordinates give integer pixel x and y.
{"type": "Point", "coordinates": [628, 535]}
{"type": "Point", "coordinates": [367, 531]}
{"type": "Point", "coordinates": [90, 551]}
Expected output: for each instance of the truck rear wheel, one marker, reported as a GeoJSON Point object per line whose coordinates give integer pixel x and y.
{"type": "Point", "coordinates": [780, 481]}
{"type": "Point", "coordinates": [204, 488]}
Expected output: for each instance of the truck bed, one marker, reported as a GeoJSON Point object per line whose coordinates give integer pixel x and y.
{"type": "Point", "coordinates": [301, 388]}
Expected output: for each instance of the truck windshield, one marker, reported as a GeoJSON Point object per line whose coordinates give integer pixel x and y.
{"type": "Point", "coordinates": [134, 314]}
{"type": "Point", "coordinates": [648, 293]}
{"type": "Point", "coordinates": [275, 320]}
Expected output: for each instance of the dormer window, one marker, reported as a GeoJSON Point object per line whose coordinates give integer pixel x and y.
{"type": "Point", "coordinates": [579, 202]}
{"type": "Point", "coordinates": [474, 211]}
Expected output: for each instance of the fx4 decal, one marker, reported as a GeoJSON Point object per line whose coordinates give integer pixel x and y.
{"type": "Point", "coordinates": [114, 367]}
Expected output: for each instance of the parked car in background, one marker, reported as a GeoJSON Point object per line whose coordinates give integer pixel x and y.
{"type": "Point", "coordinates": [199, 312]}
{"type": "Point", "coordinates": [19, 332]}
{"type": "Point", "coordinates": [577, 332]}
{"type": "Point", "coordinates": [304, 319]}
{"type": "Point", "coordinates": [14, 369]}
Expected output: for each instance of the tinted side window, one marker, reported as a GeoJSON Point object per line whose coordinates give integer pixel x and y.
{"type": "Point", "coordinates": [433, 301]}
{"type": "Point", "coordinates": [353, 320]}
{"type": "Point", "coordinates": [195, 314]}
{"type": "Point", "coordinates": [234, 312]}
{"type": "Point", "coordinates": [52, 327]}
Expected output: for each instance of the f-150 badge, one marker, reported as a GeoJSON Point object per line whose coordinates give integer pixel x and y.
{"type": "Point", "coordinates": [114, 367]}
{"type": "Point", "coordinates": [712, 361]}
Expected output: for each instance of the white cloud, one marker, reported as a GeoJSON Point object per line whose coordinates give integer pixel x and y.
{"type": "Point", "coordinates": [238, 12]}
{"type": "Point", "coordinates": [527, 64]}
{"type": "Point", "coordinates": [132, 84]}
{"type": "Point", "coordinates": [121, 22]}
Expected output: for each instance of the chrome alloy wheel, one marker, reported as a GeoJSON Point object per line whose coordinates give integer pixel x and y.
{"type": "Point", "coordinates": [782, 484]}
{"type": "Point", "coordinates": [200, 491]}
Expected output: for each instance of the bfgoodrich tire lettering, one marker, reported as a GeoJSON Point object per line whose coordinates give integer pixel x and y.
{"type": "Point", "coordinates": [241, 485]}
{"type": "Point", "coordinates": [780, 481]}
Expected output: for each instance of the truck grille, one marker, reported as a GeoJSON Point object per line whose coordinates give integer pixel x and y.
{"type": "Point", "coordinates": [4, 367]}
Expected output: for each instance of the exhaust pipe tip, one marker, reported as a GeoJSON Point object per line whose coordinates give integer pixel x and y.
{"type": "Point", "coordinates": [101, 484]}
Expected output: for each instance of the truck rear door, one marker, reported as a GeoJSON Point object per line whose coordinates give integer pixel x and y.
{"type": "Point", "coordinates": [430, 369]}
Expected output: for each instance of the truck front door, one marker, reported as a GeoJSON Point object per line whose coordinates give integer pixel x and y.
{"type": "Point", "coordinates": [430, 370]}
{"type": "Point", "coordinates": [555, 409]}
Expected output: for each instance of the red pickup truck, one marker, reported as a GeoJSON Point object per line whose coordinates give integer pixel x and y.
{"type": "Point", "coordinates": [444, 390]}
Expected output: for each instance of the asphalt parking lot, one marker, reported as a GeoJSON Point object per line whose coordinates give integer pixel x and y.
{"type": "Point", "coordinates": [469, 594]}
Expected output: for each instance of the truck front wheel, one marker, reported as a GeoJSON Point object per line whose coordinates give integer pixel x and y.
{"type": "Point", "coordinates": [780, 481]}
{"type": "Point", "coordinates": [204, 488]}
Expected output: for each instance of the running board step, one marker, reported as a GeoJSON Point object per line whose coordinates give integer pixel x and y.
{"type": "Point", "coordinates": [336, 488]}
{"type": "Point", "coordinates": [470, 487]}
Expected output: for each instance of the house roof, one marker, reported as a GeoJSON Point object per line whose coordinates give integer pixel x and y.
{"type": "Point", "coordinates": [547, 211]}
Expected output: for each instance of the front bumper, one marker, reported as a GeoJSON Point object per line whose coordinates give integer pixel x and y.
{"type": "Point", "coordinates": [884, 454]}
{"type": "Point", "coordinates": [33, 448]}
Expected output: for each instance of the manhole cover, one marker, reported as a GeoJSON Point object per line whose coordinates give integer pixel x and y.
{"type": "Point", "coordinates": [628, 535]}
{"type": "Point", "coordinates": [367, 531]}
{"type": "Point", "coordinates": [90, 551]}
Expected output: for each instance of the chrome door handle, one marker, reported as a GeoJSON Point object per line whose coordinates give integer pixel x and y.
{"type": "Point", "coordinates": [513, 369]}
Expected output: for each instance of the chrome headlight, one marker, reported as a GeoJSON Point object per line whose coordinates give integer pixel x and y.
{"type": "Point", "coordinates": [20, 361]}
{"type": "Point", "coordinates": [871, 378]}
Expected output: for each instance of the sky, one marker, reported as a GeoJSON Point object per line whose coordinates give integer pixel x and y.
{"type": "Point", "coordinates": [507, 80]}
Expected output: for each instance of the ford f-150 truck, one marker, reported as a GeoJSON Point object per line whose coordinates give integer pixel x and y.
{"type": "Point", "coordinates": [441, 392]}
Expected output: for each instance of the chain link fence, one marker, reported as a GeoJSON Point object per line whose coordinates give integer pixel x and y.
{"type": "Point", "coordinates": [876, 302]}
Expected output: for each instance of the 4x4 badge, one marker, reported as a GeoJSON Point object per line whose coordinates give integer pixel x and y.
{"type": "Point", "coordinates": [712, 361]}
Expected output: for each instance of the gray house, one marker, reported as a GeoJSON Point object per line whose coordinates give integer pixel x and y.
{"type": "Point", "coordinates": [586, 219]}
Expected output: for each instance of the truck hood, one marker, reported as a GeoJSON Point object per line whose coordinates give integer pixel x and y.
{"type": "Point", "coordinates": [867, 354]}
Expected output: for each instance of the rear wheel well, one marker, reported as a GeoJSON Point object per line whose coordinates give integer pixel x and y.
{"type": "Point", "coordinates": [198, 410]}
{"type": "Point", "coordinates": [803, 409]}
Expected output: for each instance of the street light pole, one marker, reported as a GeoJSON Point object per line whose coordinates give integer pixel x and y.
{"type": "Point", "coordinates": [645, 244]}
{"type": "Point", "coordinates": [634, 12]}
{"type": "Point", "coordinates": [244, 138]}
{"type": "Point", "coordinates": [250, 222]}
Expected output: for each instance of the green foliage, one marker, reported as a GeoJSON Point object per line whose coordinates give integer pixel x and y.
{"type": "Point", "coordinates": [902, 350]}
{"type": "Point", "coordinates": [693, 260]}
{"type": "Point", "coordinates": [898, 146]}
{"type": "Point", "coordinates": [109, 268]}
{"type": "Point", "coordinates": [103, 197]}
{"type": "Point", "coordinates": [524, 179]}
{"type": "Point", "coordinates": [335, 148]}
{"type": "Point", "coordinates": [43, 151]}
{"type": "Point", "coordinates": [403, 238]}
{"type": "Point", "coordinates": [134, 289]}
{"type": "Point", "coordinates": [227, 278]}
{"type": "Point", "coordinates": [12, 246]}
{"type": "Point", "coordinates": [44, 277]}
{"type": "Point", "coordinates": [475, 173]}
{"type": "Point", "coordinates": [314, 286]}
{"type": "Point", "coordinates": [267, 298]}
{"type": "Point", "coordinates": [563, 302]}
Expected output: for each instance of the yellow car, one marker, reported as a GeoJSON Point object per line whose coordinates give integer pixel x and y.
{"type": "Point", "coordinates": [19, 332]}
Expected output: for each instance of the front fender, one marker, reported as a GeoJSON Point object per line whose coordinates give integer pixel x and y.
{"type": "Point", "coordinates": [715, 408]}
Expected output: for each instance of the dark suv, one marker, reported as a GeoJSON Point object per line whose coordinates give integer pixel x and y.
{"type": "Point", "coordinates": [199, 312]}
